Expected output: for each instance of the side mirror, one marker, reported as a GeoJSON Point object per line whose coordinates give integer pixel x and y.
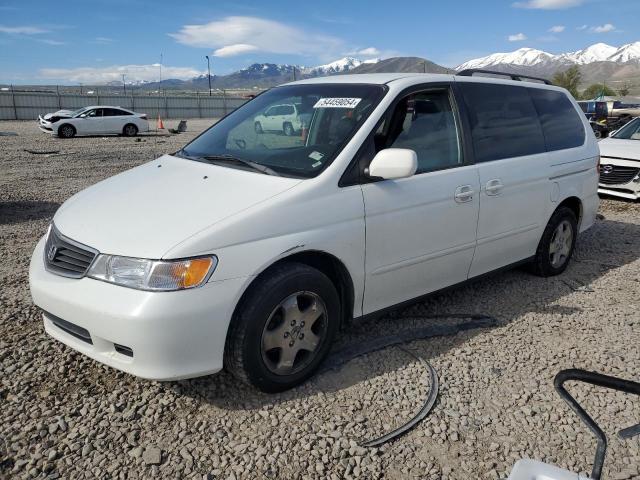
{"type": "Point", "coordinates": [392, 163]}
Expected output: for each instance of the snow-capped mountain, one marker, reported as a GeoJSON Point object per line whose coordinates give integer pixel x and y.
{"type": "Point", "coordinates": [339, 66]}
{"type": "Point", "coordinates": [522, 56]}
{"type": "Point", "coordinates": [530, 57]}
{"type": "Point", "coordinates": [598, 52]}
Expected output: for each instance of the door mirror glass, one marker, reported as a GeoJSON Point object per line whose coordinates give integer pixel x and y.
{"type": "Point", "coordinates": [393, 163]}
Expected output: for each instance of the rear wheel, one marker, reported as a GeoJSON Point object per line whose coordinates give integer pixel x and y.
{"type": "Point", "coordinates": [258, 127]}
{"type": "Point", "coordinates": [557, 244]}
{"type": "Point", "coordinates": [130, 130]}
{"type": "Point", "coordinates": [288, 129]}
{"type": "Point", "coordinates": [66, 131]}
{"type": "Point", "coordinates": [283, 328]}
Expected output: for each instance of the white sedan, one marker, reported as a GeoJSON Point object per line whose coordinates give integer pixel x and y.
{"type": "Point", "coordinates": [94, 120]}
{"type": "Point", "coordinates": [620, 162]}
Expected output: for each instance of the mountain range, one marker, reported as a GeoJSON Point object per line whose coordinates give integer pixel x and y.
{"type": "Point", "coordinates": [599, 62]}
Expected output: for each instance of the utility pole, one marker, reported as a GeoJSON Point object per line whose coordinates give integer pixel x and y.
{"type": "Point", "coordinates": [80, 88]}
{"type": "Point", "coordinates": [209, 73]}
{"type": "Point", "coordinates": [294, 73]}
{"type": "Point", "coordinates": [424, 66]}
{"type": "Point", "coordinates": [124, 86]}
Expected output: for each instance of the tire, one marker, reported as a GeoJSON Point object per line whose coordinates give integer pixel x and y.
{"type": "Point", "coordinates": [557, 244]}
{"type": "Point", "coordinates": [288, 130]}
{"type": "Point", "coordinates": [130, 130]}
{"type": "Point", "coordinates": [258, 128]}
{"type": "Point", "coordinates": [279, 303]}
{"type": "Point", "coordinates": [66, 131]}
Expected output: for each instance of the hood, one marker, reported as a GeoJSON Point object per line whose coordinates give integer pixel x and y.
{"type": "Point", "coordinates": [615, 147]}
{"type": "Point", "coordinates": [147, 210]}
{"type": "Point", "coordinates": [59, 114]}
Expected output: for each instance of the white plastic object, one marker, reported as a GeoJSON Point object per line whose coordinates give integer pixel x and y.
{"type": "Point", "coordinates": [533, 470]}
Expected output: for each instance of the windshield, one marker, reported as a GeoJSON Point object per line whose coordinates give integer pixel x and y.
{"type": "Point", "coordinates": [75, 113]}
{"type": "Point", "coordinates": [631, 131]}
{"type": "Point", "coordinates": [295, 130]}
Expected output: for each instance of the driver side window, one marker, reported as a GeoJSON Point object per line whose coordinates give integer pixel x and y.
{"type": "Point", "coordinates": [425, 123]}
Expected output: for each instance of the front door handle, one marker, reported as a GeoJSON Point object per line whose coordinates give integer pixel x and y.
{"type": "Point", "coordinates": [494, 187]}
{"type": "Point", "coordinates": [464, 193]}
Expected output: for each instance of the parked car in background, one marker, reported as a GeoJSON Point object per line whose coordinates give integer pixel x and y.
{"type": "Point", "coordinates": [620, 162]}
{"type": "Point", "coordinates": [286, 118]}
{"type": "Point", "coordinates": [94, 120]}
{"type": "Point", "coordinates": [251, 251]}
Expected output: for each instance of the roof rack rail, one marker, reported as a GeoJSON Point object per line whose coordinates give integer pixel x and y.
{"type": "Point", "coordinates": [513, 76]}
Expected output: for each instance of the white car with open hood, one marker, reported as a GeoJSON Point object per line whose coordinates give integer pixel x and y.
{"type": "Point", "coordinates": [251, 250]}
{"type": "Point", "coordinates": [94, 120]}
{"type": "Point", "coordinates": [620, 162]}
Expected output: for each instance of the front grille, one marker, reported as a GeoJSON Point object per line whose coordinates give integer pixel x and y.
{"type": "Point", "coordinates": [70, 328]}
{"type": "Point", "coordinates": [66, 257]}
{"type": "Point", "coordinates": [617, 175]}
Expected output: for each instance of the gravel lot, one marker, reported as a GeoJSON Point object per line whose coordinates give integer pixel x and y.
{"type": "Point", "coordinates": [65, 416]}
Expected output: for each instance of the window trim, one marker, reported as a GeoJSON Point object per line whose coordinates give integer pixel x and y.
{"type": "Point", "coordinates": [354, 172]}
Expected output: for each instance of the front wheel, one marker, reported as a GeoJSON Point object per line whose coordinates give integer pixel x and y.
{"type": "Point", "coordinates": [66, 131]}
{"type": "Point", "coordinates": [557, 244]}
{"type": "Point", "coordinates": [288, 129]}
{"type": "Point", "coordinates": [283, 328]}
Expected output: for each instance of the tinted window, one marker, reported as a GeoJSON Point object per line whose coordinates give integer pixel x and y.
{"type": "Point", "coordinates": [424, 122]}
{"type": "Point", "coordinates": [504, 122]}
{"type": "Point", "coordinates": [287, 110]}
{"type": "Point", "coordinates": [561, 123]}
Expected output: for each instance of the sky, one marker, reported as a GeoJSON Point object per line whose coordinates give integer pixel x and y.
{"type": "Point", "coordinates": [96, 41]}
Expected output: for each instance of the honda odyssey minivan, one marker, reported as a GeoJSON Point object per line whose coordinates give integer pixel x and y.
{"type": "Point", "coordinates": [249, 250]}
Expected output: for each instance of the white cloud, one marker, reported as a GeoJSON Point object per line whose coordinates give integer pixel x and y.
{"type": "Point", "coordinates": [557, 29]}
{"type": "Point", "coordinates": [237, 49]}
{"type": "Point", "coordinates": [549, 4]}
{"type": "Point", "coordinates": [518, 37]}
{"type": "Point", "coordinates": [583, 27]}
{"type": "Point", "coordinates": [103, 40]}
{"type": "Point", "coordinates": [234, 35]}
{"type": "Point", "coordinates": [23, 30]}
{"type": "Point", "coordinates": [607, 27]}
{"type": "Point", "coordinates": [52, 42]}
{"type": "Point", "coordinates": [368, 52]}
{"type": "Point", "coordinates": [93, 75]}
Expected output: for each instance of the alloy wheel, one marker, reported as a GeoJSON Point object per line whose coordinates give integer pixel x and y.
{"type": "Point", "coordinates": [294, 332]}
{"type": "Point", "coordinates": [561, 243]}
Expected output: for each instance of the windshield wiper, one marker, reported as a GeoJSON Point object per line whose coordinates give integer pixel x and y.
{"type": "Point", "coordinates": [230, 158]}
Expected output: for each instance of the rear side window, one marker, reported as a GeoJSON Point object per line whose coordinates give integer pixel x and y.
{"type": "Point", "coordinates": [561, 123]}
{"type": "Point", "coordinates": [504, 121]}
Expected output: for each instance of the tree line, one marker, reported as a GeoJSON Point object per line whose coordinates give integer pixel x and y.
{"type": "Point", "coordinates": [571, 79]}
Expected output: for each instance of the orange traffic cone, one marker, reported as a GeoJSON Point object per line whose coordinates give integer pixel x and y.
{"type": "Point", "coordinates": [160, 125]}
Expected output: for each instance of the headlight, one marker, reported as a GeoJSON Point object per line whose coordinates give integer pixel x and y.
{"type": "Point", "coordinates": [155, 275]}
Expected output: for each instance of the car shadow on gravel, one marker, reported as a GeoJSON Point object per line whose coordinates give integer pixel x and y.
{"type": "Point", "coordinates": [506, 296]}
{"type": "Point", "coordinates": [26, 211]}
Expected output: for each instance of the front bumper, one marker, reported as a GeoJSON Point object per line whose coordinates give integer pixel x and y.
{"type": "Point", "coordinates": [630, 190]}
{"type": "Point", "coordinates": [44, 125]}
{"type": "Point", "coordinates": [171, 335]}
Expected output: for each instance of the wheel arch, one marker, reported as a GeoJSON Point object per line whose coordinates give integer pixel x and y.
{"type": "Point", "coordinates": [575, 205]}
{"type": "Point", "coordinates": [326, 263]}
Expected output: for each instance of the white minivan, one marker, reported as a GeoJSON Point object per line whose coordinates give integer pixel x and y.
{"type": "Point", "coordinates": [250, 251]}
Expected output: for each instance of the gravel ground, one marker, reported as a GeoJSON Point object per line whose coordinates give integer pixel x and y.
{"type": "Point", "coordinates": [65, 416]}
